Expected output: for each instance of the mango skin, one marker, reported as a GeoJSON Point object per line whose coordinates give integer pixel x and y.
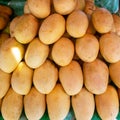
{"type": "Point", "coordinates": [36, 53]}
{"type": "Point", "coordinates": [55, 99]}
{"type": "Point", "coordinates": [26, 29]}
{"type": "Point", "coordinates": [71, 78]}
{"type": "Point", "coordinates": [114, 70]}
{"type": "Point", "coordinates": [39, 8]}
{"type": "Point", "coordinates": [107, 104]}
{"type": "Point", "coordinates": [45, 77]}
{"type": "Point", "coordinates": [11, 53]}
{"type": "Point", "coordinates": [12, 105]}
{"type": "Point", "coordinates": [64, 7]}
{"type": "Point", "coordinates": [77, 23]}
{"type": "Point", "coordinates": [65, 48]}
{"type": "Point", "coordinates": [102, 20]}
{"type": "Point", "coordinates": [5, 79]}
{"type": "Point", "coordinates": [96, 76]}
{"type": "Point", "coordinates": [34, 104]}
{"type": "Point", "coordinates": [110, 47]}
{"type": "Point", "coordinates": [83, 105]}
{"type": "Point", "coordinates": [52, 28]}
{"type": "Point", "coordinates": [21, 80]}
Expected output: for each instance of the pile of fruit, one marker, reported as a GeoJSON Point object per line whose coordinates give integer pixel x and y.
{"type": "Point", "coordinates": [58, 54]}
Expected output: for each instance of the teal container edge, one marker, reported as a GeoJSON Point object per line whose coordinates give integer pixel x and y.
{"type": "Point", "coordinates": [111, 5]}
{"type": "Point", "coordinates": [17, 5]}
{"type": "Point", "coordinates": [70, 116]}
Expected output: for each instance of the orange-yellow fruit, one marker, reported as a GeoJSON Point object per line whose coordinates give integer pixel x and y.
{"type": "Point", "coordinates": [36, 53]}
{"type": "Point", "coordinates": [71, 78]}
{"type": "Point", "coordinates": [5, 79]}
{"type": "Point", "coordinates": [39, 8]}
{"type": "Point", "coordinates": [110, 47]}
{"type": "Point", "coordinates": [52, 28]}
{"type": "Point", "coordinates": [13, 24]}
{"type": "Point", "coordinates": [45, 77]}
{"type": "Point", "coordinates": [26, 8]}
{"type": "Point", "coordinates": [12, 105]}
{"type": "Point", "coordinates": [80, 5]}
{"type": "Point", "coordinates": [26, 29]}
{"type": "Point", "coordinates": [77, 23]}
{"type": "Point", "coordinates": [90, 29]}
{"type": "Point", "coordinates": [11, 53]}
{"type": "Point", "coordinates": [4, 19]}
{"type": "Point", "coordinates": [64, 7]}
{"type": "Point", "coordinates": [83, 105]}
{"type": "Point", "coordinates": [63, 51]}
{"type": "Point", "coordinates": [58, 103]}
{"type": "Point", "coordinates": [114, 70]}
{"type": "Point", "coordinates": [87, 47]}
{"type": "Point", "coordinates": [21, 80]}
{"type": "Point", "coordinates": [107, 104]}
{"type": "Point", "coordinates": [34, 104]}
{"type": "Point", "coordinates": [116, 19]}
{"type": "Point", "coordinates": [3, 37]}
{"type": "Point", "coordinates": [102, 20]}
{"type": "Point", "coordinates": [5, 9]}
{"type": "Point", "coordinates": [96, 76]}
